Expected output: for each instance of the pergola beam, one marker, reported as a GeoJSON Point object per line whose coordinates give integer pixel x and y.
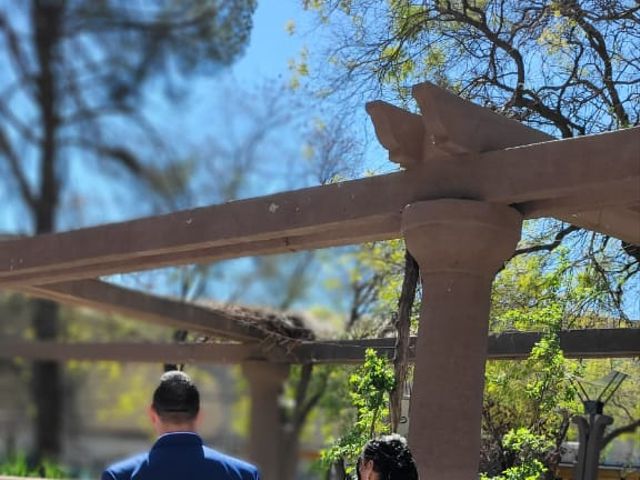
{"type": "Point", "coordinates": [453, 126]}
{"type": "Point", "coordinates": [337, 214]}
{"type": "Point", "coordinates": [110, 298]}
{"type": "Point", "coordinates": [590, 343]}
{"type": "Point", "coordinates": [223, 353]}
{"type": "Point", "coordinates": [622, 223]}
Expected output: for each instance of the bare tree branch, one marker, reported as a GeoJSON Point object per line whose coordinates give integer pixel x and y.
{"type": "Point", "coordinates": [613, 434]}
{"type": "Point", "coordinates": [18, 174]}
{"type": "Point", "coordinates": [548, 247]}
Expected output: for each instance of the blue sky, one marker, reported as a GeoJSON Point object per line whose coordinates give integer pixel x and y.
{"type": "Point", "coordinates": [266, 58]}
{"type": "Point", "coordinates": [271, 46]}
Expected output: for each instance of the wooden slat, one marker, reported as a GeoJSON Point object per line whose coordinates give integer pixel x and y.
{"type": "Point", "coordinates": [329, 215]}
{"type": "Point", "coordinates": [375, 229]}
{"type": "Point", "coordinates": [594, 343]}
{"type": "Point", "coordinates": [149, 308]}
{"type": "Point", "coordinates": [589, 343]}
{"type": "Point", "coordinates": [132, 352]}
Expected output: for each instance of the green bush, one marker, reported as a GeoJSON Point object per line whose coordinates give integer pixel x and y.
{"type": "Point", "coordinates": [18, 466]}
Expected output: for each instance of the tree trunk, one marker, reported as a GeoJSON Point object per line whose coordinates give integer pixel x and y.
{"type": "Point", "coordinates": [46, 385]}
{"type": "Point", "coordinates": [46, 19]}
{"type": "Point", "coordinates": [403, 333]}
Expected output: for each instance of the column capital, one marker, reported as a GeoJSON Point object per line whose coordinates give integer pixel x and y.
{"type": "Point", "coordinates": [465, 236]}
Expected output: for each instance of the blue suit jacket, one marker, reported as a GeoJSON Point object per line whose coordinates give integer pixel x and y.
{"type": "Point", "coordinates": [181, 456]}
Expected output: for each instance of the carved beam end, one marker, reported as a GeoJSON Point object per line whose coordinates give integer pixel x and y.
{"type": "Point", "coordinates": [399, 131]}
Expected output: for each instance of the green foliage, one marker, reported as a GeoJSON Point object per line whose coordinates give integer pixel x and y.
{"type": "Point", "coordinates": [375, 275]}
{"type": "Point", "coordinates": [527, 448]}
{"type": "Point", "coordinates": [542, 63]}
{"type": "Point", "coordinates": [369, 387]}
{"type": "Point", "coordinates": [528, 403]}
{"type": "Point", "coordinates": [536, 292]}
{"type": "Point", "coordinates": [299, 68]}
{"type": "Point", "coordinates": [18, 466]}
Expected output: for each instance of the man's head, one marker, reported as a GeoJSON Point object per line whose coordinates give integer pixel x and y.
{"type": "Point", "coordinates": [387, 458]}
{"type": "Point", "coordinates": [176, 404]}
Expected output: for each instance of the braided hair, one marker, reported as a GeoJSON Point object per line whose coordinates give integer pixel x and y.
{"type": "Point", "coordinates": [391, 458]}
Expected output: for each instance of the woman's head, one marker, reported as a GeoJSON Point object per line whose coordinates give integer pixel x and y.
{"type": "Point", "coordinates": [387, 458]}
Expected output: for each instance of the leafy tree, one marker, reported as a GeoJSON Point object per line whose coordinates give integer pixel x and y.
{"type": "Point", "coordinates": [569, 67]}
{"type": "Point", "coordinates": [536, 291]}
{"type": "Point", "coordinates": [75, 78]}
{"type": "Point", "coordinates": [525, 446]}
{"type": "Point", "coordinates": [369, 389]}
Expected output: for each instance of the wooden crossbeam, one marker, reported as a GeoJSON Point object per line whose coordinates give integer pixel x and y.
{"type": "Point", "coordinates": [223, 353]}
{"type": "Point", "coordinates": [450, 125]}
{"type": "Point", "coordinates": [591, 343]}
{"type": "Point", "coordinates": [622, 223]}
{"type": "Point", "coordinates": [588, 343]}
{"type": "Point", "coordinates": [331, 215]}
{"type": "Point", "coordinates": [110, 298]}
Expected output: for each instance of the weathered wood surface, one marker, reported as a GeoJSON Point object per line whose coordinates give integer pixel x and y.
{"type": "Point", "coordinates": [590, 343]}
{"type": "Point", "coordinates": [337, 214]}
{"type": "Point", "coordinates": [455, 149]}
{"type": "Point", "coordinates": [223, 353]}
{"type": "Point", "coordinates": [453, 126]}
{"type": "Point", "coordinates": [110, 298]}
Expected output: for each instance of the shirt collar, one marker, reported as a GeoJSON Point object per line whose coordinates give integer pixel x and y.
{"type": "Point", "coordinates": [178, 438]}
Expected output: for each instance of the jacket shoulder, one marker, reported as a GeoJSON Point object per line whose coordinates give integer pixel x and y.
{"type": "Point", "coordinates": [244, 469]}
{"type": "Point", "coordinates": [124, 469]}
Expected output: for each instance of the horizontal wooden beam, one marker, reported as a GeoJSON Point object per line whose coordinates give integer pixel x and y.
{"type": "Point", "coordinates": [330, 215]}
{"type": "Point", "coordinates": [588, 343]}
{"type": "Point", "coordinates": [451, 125]}
{"type": "Point", "coordinates": [224, 353]}
{"type": "Point", "coordinates": [110, 298]}
{"type": "Point", "coordinates": [619, 222]}
{"type": "Point", "coordinates": [592, 343]}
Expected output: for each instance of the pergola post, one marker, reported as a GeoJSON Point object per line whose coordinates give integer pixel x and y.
{"type": "Point", "coordinates": [459, 245]}
{"type": "Point", "coordinates": [265, 433]}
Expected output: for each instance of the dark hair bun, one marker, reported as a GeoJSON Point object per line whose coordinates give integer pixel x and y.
{"type": "Point", "coordinates": [391, 458]}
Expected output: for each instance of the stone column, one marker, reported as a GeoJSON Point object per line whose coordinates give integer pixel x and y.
{"type": "Point", "coordinates": [459, 245]}
{"type": "Point", "coordinates": [265, 433]}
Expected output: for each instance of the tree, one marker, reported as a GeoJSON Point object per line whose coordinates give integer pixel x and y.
{"type": "Point", "coordinates": [568, 67]}
{"type": "Point", "coordinates": [369, 386]}
{"type": "Point", "coordinates": [75, 78]}
{"type": "Point", "coordinates": [528, 404]}
{"type": "Point", "coordinates": [536, 397]}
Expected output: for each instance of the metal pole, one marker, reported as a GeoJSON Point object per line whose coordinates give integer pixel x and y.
{"type": "Point", "coordinates": [590, 438]}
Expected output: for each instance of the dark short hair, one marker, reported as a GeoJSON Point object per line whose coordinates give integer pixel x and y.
{"type": "Point", "coordinates": [176, 399]}
{"type": "Point", "coordinates": [391, 458]}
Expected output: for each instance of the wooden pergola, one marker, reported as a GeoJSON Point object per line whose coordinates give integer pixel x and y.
{"type": "Point", "coordinates": [470, 177]}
